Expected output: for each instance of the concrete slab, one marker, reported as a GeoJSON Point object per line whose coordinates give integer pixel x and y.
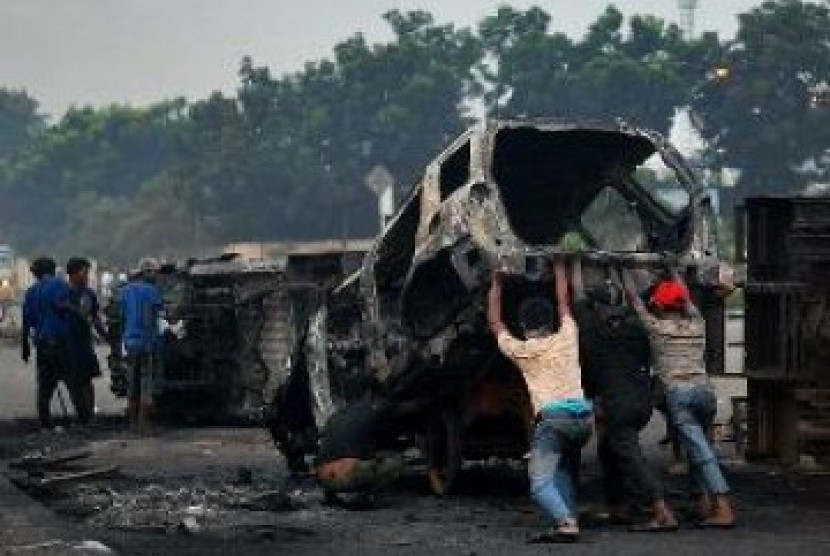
{"type": "Point", "coordinates": [28, 528]}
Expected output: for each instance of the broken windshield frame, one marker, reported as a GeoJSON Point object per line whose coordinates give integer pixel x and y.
{"type": "Point", "coordinates": [572, 166]}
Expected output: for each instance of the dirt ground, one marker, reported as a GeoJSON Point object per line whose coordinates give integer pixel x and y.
{"type": "Point", "coordinates": [225, 491]}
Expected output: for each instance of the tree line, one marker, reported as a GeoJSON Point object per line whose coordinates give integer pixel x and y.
{"type": "Point", "coordinates": [285, 157]}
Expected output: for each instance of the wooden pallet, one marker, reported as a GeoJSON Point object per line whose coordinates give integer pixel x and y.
{"type": "Point", "coordinates": [50, 472]}
{"type": "Point", "coordinates": [789, 423]}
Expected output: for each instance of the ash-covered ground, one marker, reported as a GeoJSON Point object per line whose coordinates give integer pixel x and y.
{"type": "Point", "coordinates": [225, 491]}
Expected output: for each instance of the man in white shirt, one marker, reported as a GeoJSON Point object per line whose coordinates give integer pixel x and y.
{"type": "Point", "coordinates": [549, 362]}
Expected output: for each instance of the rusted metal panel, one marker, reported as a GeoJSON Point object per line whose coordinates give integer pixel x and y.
{"type": "Point", "coordinates": [788, 327]}
{"type": "Point", "coordinates": [766, 245]}
{"type": "Point", "coordinates": [788, 322]}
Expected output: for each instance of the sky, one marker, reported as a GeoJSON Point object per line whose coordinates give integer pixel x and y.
{"type": "Point", "coordinates": [66, 52]}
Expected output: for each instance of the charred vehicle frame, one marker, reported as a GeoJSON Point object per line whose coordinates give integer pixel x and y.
{"type": "Point", "coordinates": [410, 324]}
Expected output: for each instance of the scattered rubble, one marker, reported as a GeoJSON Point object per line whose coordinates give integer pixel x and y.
{"type": "Point", "coordinates": [187, 510]}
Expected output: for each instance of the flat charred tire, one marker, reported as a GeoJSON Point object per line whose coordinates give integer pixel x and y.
{"type": "Point", "coordinates": [443, 450]}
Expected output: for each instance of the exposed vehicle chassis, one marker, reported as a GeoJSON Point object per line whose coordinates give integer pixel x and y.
{"type": "Point", "coordinates": [410, 324]}
{"type": "Point", "coordinates": [225, 344]}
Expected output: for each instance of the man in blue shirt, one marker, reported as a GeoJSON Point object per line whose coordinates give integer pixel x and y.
{"type": "Point", "coordinates": [141, 304]}
{"type": "Point", "coordinates": [84, 313]}
{"type": "Point", "coordinates": [44, 318]}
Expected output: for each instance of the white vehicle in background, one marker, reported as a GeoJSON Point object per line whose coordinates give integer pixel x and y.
{"type": "Point", "coordinates": [6, 272]}
{"type": "Point", "coordinates": [14, 279]}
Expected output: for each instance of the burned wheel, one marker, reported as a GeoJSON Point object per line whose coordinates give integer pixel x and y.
{"type": "Point", "coordinates": [443, 447]}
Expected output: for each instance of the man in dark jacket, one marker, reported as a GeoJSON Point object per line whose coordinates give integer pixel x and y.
{"type": "Point", "coordinates": [45, 310]}
{"type": "Point", "coordinates": [84, 313]}
{"type": "Point", "coordinates": [615, 357]}
{"type": "Point", "coordinates": [357, 448]}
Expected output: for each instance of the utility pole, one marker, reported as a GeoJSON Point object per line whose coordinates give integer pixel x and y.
{"type": "Point", "coordinates": [688, 11]}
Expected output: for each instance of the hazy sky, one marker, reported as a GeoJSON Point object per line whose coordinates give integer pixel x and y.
{"type": "Point", "coordinates": [99, 51]}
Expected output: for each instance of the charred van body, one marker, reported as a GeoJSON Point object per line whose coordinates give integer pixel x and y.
{"type": "Point", "coordinates": [410, 324]}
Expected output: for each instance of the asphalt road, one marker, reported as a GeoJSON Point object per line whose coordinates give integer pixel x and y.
{"type": "Point", "coordinates": [17, 387]}
{"type": "Point", "coordinates": [197, 472]}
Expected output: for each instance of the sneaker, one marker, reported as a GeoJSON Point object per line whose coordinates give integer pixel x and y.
{"type": "Point", "coordinates": [555, 535]}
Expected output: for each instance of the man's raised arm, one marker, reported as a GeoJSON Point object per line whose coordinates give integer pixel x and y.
{"type": "Point", "coordinates": [577, 280]}
{"type": "Point", "coordinates": [562, 295]}
{"type": "Point", "coordinates": [494, 304]}
{"type": "Point", "coordinates": [631, 292]}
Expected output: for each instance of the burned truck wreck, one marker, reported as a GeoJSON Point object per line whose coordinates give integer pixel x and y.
{"type": "Point", "coordinates": [410, 324]}
{"type": "Point", "coordinates": [225, 325]}
{"type": "Point", "coordinates": [230, 323]}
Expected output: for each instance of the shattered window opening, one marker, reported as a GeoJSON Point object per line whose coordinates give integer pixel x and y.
{"type": "Point", "coordinates": [394, 256]}
{"type": "Point", "coordinates": [662, 185]}
{"type": "Point", "coordinates": [548, 178]}
{"type": "Point", "coordinates": [612, 223]}
{"type": "Point", "coordinates": [455, 171]}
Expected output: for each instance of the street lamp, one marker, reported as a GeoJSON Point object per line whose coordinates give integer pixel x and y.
{"type": "Point", "coordinates": [380, 181]}
{"type": "Point", "coordinates": [721, 73]}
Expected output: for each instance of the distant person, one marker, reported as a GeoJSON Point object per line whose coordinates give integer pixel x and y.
{"type": "Point", "coordinates": [549, 361]}
{"type": "Point", "coordinates": [116, 360]}
{"type": "Point", "coordinates": [45, 308]}
{"type": "Point", "coordinates": [616, 358]}
{"type": "Point", "coordinates": [141, 305]}
{"type": "Point", "coordinates": [84, 314]}
{"type": "Point", "coordinates": [678, 344]}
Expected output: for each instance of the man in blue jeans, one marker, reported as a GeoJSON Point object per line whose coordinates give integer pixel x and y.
{"type": "Point", "coordinates": [141, 305]}
{"type": "Point", "coordinates": [678, 344]}
{"type": "Point", "coordinates": [549, 362]}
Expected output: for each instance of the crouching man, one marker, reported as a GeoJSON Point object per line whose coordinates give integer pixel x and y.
{"type": "Point", "coordinates": [357, 453]}
{"type": "Point", "coordinates": [549, 362]}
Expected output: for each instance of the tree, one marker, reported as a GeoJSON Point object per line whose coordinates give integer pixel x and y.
{"type": "Point", "coordinates": [19, 120]}
{"type": "Point", "coordinates": [100, 156]}
{"type": "Point", "coordinates": [314, 135]}
{"type": "Point", "coordinates": [607, 74]}
{"type": "Point", "coordinates": [767, 117]}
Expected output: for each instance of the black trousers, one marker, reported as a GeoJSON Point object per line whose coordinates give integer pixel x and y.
{"type": "Point", "coordinates": [626, 471]}
{"type": "Point", "coordinates": [54, 365]}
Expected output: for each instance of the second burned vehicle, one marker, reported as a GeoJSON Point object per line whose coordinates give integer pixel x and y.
{"type": "Point", "coordinates": [410, 324]}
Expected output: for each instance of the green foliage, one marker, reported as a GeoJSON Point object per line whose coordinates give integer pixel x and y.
{"type": "Point", "coordinates": [19, 121]}
{"type": "Point", "coordinates": [761, 118]}
{"type": "Point", "coordinates": [89, 159]}
{"type": "Point", "coordinates": [286, 156]}
{"type": "Point", "coordinates": [615, 70]}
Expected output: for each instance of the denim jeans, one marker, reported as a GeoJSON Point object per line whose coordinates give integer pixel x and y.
{"type": "Point", "coordinates": [692, 410]}
{"type": "Point", "coordinates": [625, 470]}
{"type": "Point", "coordinates": [558, 440]}
{"type": "Point", "coordinates": [142, 377]}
